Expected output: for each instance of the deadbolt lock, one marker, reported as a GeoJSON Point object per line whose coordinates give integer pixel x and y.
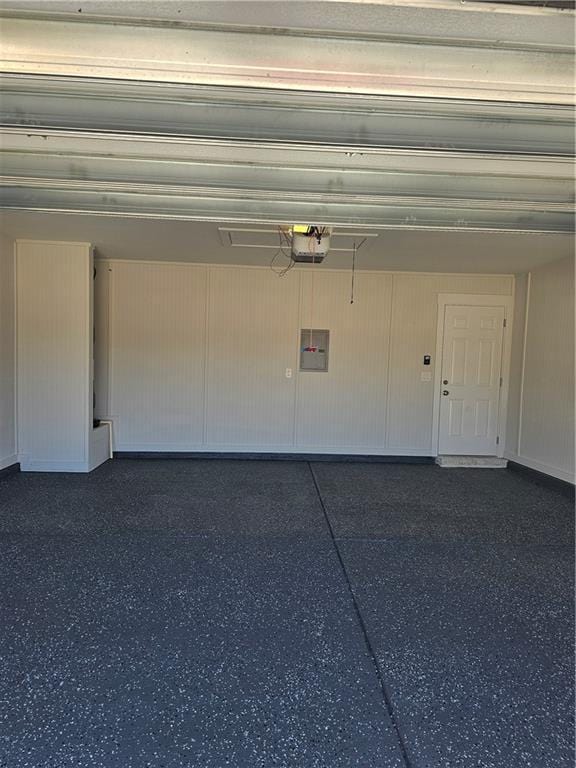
{"type": "Point", "coordinates": [445, 381]}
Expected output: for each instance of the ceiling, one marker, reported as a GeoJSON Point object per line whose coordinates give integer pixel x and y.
{"type": "Point", "coordinates": [436, 124]}
{"type": "Point", "coordinates": [199, 242]}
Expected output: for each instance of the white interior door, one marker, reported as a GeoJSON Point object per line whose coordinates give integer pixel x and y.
{"type": "Point", "coordinates": [471, 384]}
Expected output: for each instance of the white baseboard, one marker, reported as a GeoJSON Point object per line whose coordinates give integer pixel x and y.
{"type": "Point", "coordinates": [561, 474]}
{"type": "Point", "coordinates": [350, 450]}
{"type": "Point", "coordinates": [27, 465]}
{"type": "Point", "coordinates": [7, 461]}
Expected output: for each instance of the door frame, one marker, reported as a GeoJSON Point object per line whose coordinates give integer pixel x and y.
{"type": "Point", "coordinates": [474, 300]}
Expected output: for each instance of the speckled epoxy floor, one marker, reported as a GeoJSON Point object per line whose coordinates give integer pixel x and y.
{"type": "Point", "coordinates": [170, 614]}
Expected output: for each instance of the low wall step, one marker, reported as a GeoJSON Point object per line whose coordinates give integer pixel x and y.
{"type": "Point", "coordinates": [479, 462]}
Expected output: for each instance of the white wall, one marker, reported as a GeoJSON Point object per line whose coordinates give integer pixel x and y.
{"type": "Point", "coordinates": [54, 356]}
{"type": "Point", "coordinates": [516, 364]}
{"type": "Point", "coordinates": [541, 421]}
{"type": "Point", "coordinates": [346, 408]}
{"type": "Point", "coordinates": [157, 354]}
{"type": "Point", "coordinates": [251, 321]}
{"type": "Point", "coordinates": [197, 357]}
{"type": "Point", "coordinates": [7, 355]}
{"type": "Point", "coordinates": [412, 334]}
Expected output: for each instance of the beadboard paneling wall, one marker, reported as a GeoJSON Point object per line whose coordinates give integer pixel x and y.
{"type": "Point", "coordinates": [346, 406]}
{"type": "Point", "coordinates": [54, 328]}
{"type": "Point", "coordinates": [7, 356]}
{"type": "Point", "coordinates": [413, 335]}
{"type": "Point", "coordinates": [197, 357]}
{"type": "Point", "coordinates": [545, 420]}
{"type": "Point", "coordinates": [252, 320]}
{"type": "Point", "coordinates": [157, 353]}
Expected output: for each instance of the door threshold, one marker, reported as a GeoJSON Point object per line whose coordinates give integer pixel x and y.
{"type": "Point", "coordinates": [478, 462]}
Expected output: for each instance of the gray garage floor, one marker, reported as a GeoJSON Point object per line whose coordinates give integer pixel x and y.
{"type": "Point", "coordinates": [160, 614]}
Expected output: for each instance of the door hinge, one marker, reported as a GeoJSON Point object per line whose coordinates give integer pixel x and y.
{"type": "Point", "coordinates": [501, 380]}
{"type": "Point", "coordinates": [497, 441]}
{"type": "Point", "coordinates": [504, 322]}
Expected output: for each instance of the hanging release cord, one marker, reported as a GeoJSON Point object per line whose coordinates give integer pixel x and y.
{"type": "Point", "coordinates": [313, 250]}
{"type": "Point", "coordinates": [353, 273]}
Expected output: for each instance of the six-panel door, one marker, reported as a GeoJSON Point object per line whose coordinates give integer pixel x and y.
{"type": "Point", "coordinates": [471, 370]}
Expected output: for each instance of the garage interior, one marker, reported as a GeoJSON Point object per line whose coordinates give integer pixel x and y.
{"type": "Point", "coordinates": [286, 384]}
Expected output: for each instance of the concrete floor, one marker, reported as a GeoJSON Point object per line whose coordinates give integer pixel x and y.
{"type": "Point", "coordinates": [161, 614]}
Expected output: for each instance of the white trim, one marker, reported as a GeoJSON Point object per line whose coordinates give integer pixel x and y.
{"type": "Point", "coordinates": [386, 436]}
{"type": "Point", "coordinates": [437, 377]}
{"type": "Point", "coordinates": [89, 353]}
{"type": "Point", "coordinates": [561, 474]}
{"type": "Point", "coordinates": [110, 347]}
{"type": "Point", "coordinates": [296, 364]}
{"type": "Point", "coordinates": [17, 377]}
{"type": "Point", "coordinates": [404, 273]}
{"type": "Point", "coordinates": [15, 372]}
{"type": "Point", "coordinates": [8, 461]}
{"type": "Point", "coordinates": [52, 242]}
{"type": "Point", "coordinates": [522, 374]}
{"type": "Point", "coordinates": [478, 300]}
{"type": "Point", "coordinates": [110, 423]}
{"type": "Point", "coordinates": [207, 308]}
{"type": "Point", "coordinates": [106, 339]}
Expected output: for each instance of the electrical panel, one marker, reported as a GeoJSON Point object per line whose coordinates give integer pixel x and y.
{"type": "Point", "coordinates": [314, 344]}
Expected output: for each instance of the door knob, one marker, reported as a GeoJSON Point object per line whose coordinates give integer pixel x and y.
{"type": "Point", "coordinates": [445, 392]}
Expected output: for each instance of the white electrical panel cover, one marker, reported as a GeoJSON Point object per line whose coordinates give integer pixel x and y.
{"type": "Point", "coordinates": [314, 345]}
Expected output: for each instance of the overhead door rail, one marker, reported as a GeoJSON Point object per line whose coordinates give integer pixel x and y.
{"type": "Point", "coordinates": [220, 112]}
{"type": "Point", "coordinates": [391, 126]}
{"type": "Point", "coordinates": [288, 59]}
